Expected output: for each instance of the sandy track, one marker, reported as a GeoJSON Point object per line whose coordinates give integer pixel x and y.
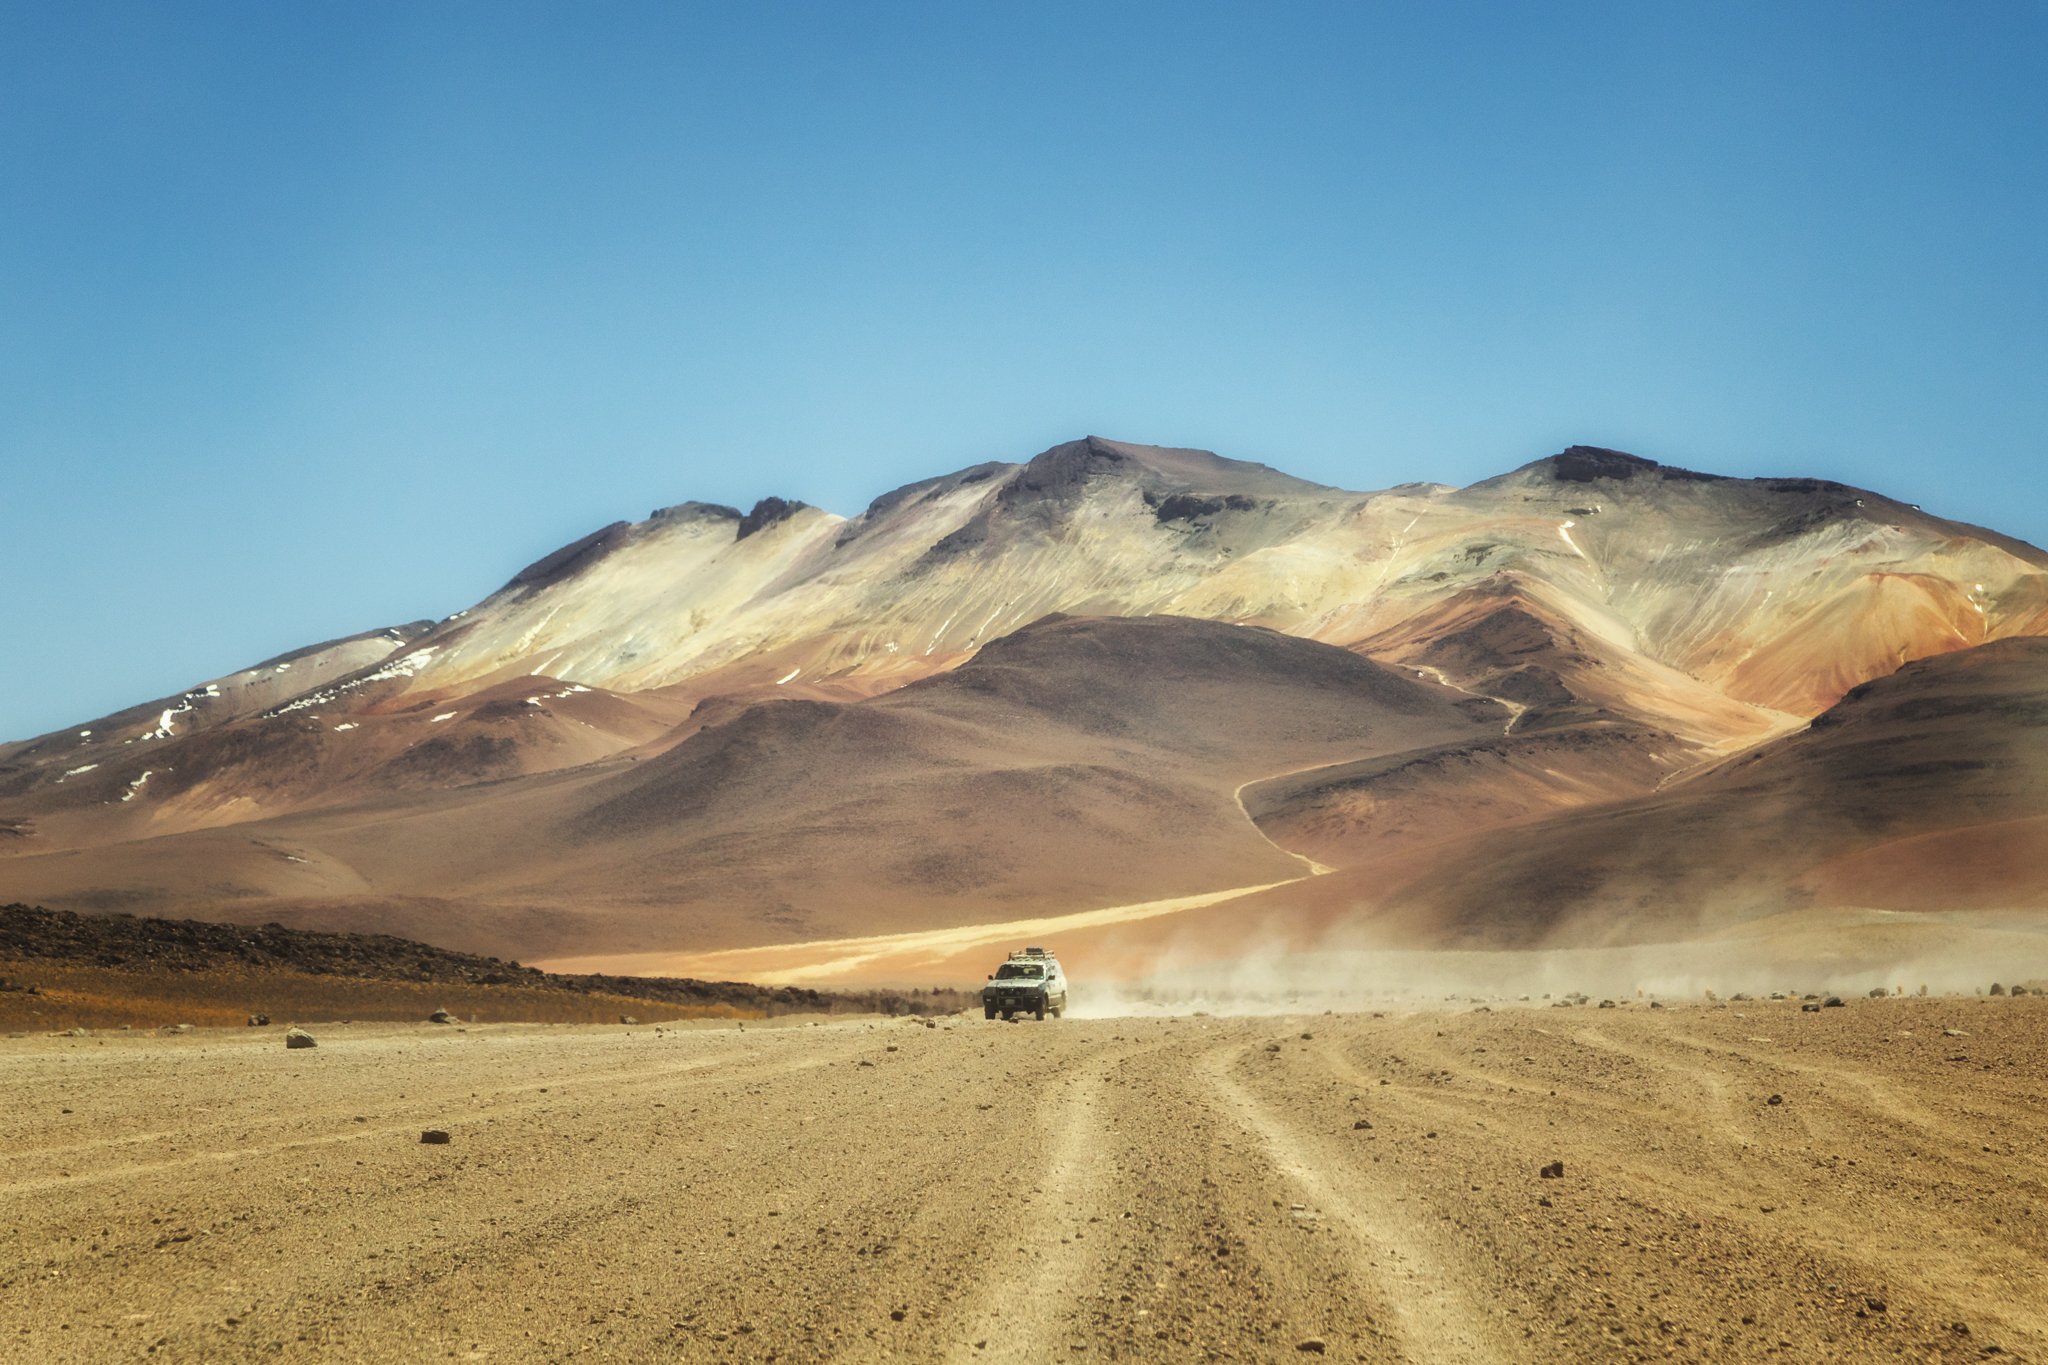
{"type": "Point", "coordinates": [1170, 1190]}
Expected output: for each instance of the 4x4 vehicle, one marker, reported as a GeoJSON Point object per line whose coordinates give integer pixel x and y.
{"type": "Point", "coordinates": [1029, 982]}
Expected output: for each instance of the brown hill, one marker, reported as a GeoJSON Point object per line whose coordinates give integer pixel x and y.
{"type": "Point", "coordinates": [1076, 764]}
{"type": "Point", "coordinates": [1926, 791]}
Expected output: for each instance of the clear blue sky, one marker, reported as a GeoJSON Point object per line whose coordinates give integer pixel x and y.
{"type": "Point", "coordinates": [316, 317]}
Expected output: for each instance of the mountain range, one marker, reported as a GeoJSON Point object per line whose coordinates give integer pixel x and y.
{"type": "Point", "coordinates": [1149, 698]}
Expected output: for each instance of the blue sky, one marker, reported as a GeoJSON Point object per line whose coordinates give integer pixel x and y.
{"type": "Point", "coordinates": [315, 318]}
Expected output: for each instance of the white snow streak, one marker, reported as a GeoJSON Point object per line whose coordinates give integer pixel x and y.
{"type": "Point", "coordinates": [345, 725]}
{"type": "Point", "coordinates": [445, 715]}
{"type": "Point", "coordinates": [136, 785]}
{"type": "Point", "coordinates": [1565, 531]}
{"type": "Point", "coordinates": [787, 676]}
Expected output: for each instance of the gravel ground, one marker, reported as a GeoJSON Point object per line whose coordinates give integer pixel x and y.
{"type": "Point", "coordinates": [1159, 1189]}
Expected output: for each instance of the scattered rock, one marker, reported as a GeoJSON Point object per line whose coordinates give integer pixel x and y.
{"type": "Point", "coordinates": [628, 1019]}
{"type": "Point", "coordinates": [1606, 1004]}
{"type": "Point", "coordinates": [435, 1136]}
{"type": "Point", "coordinates": [1554, 1171]}
{"type": "Point", "coordinates": [175, 1028]}
{"type": "Point", "coordinates": [1361, 1125]}
{"type": "Point", "coordinates": [1834, 1002]}
{"type": "Point", "coordinates": [298, 1037]}
{"type": "Point", "coordinates": [442, 1016]}
{"type": "Point", "coordinates": [1314, 1346]}
{"type": "Point", "coordinates": [1878, 993]}
{"type": "Point", "coordinates": [259, 1021]}
{"type": "Point", "coordinates": [2018, 990]}
{"type": "Point", "coordinates": [1809, 1009]}
{"type": "Point", "coordinates": [1997, 989]}
{"type": "Point", "coordinates": [1775, 1099]}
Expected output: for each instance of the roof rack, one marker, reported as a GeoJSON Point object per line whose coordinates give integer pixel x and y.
{"type": "Point", "coordinates": [1033, 955]}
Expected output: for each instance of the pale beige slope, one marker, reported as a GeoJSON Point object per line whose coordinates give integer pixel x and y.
{"type": "Point", "coordinates": [1740, 597]}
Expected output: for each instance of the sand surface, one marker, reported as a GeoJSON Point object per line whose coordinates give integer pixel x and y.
{"type": "Point", "coordinates": [1172, 1189]}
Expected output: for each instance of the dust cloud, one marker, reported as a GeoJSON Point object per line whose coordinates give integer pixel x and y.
{"type": "Point", "coordinates": [1795, 954]}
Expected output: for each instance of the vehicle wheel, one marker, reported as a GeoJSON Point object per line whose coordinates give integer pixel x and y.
{"type": "Point", "coordinates": [1041, 1007]}
{"type": "Point", "coordinates": [1006, 1016]}
{"type": "Point", "coordinates": [988, 1011]}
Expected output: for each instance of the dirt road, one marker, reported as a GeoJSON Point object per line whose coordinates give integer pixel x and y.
{"type": "Point", "coordinates": [1170, 1190]}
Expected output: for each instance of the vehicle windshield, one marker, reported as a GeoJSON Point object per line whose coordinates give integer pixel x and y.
{"type": "Point", "coordinates": [1019, 969]}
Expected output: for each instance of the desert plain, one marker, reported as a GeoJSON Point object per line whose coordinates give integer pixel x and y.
{"type": "Point", "coordinates": [1743, 1180]}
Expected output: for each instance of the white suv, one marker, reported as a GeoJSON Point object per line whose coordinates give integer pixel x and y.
{"type": "Point", "coordinates": [1029, 982]}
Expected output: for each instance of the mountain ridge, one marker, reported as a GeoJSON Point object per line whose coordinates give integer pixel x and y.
{"type": "Point", "coordinates": [1609, 628]}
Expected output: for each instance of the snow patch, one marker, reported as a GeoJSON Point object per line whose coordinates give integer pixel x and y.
{"type": "Point", "coordinates": [85, 769]}
{"type": "Point", "coordinates": [787, 676]}
{"type": "Point", "coordinates": [445, 715]}
{"type": "Point", "coordinates": [85, 734]}
{"type": "Point", "coordinates": [136, 786]}
{"type": "Point", "coordinates": [345, 725]}
{"type": "Point", "coordinates": [164, 728]}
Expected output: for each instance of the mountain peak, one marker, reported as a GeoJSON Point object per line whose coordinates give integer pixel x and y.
{"type": "Point", "coordinates": [1160, 468]}
{"type": "Point", "coordinates": [1583, 464]}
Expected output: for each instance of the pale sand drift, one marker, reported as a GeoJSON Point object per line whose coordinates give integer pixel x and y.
{"type": "Point", "coordinates": [1135, 1189]}
{"type": "Point", "coordinates": [917, 957]}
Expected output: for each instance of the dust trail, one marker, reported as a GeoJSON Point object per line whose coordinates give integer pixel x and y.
{"type": "Point", "coordinates": [1846, 953]}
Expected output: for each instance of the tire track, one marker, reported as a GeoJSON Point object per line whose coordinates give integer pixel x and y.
{"type": "Point", "coordinates": [1018, 1311]}
{"type": "Point", "coordinates": [1436, 1320]}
